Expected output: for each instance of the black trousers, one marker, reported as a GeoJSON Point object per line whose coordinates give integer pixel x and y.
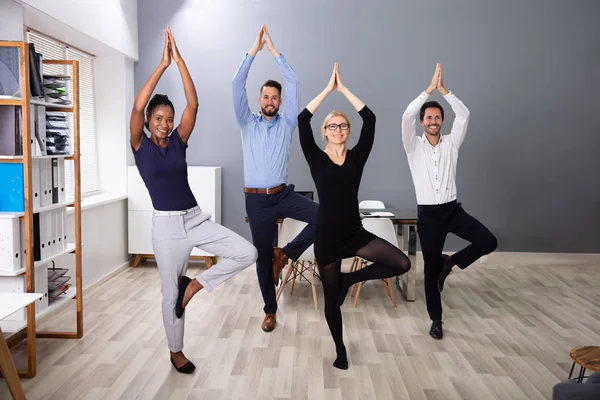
{"type": "Point", "coordinates": [263, 210]}
{"type": "Point", "coordinates": [434, 223]}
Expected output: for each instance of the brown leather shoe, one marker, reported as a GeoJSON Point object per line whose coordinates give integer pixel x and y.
{"type": "Point", "coordinates": [280, 260]}
{"type": "Point", "coordinates": [269, 322]}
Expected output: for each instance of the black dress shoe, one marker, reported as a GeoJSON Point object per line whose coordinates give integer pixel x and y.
{"type": "Point", "coordinates": [184, 281]}
{"type": "Point", "coordinates": [188, 368]}
{"type": "Point", "coordinates": [436, 330]}
{"type": "Point", "coordinates": [446, 270]}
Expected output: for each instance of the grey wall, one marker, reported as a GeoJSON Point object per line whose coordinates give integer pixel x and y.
{"type": "Point", "coordinates": [529, 166]}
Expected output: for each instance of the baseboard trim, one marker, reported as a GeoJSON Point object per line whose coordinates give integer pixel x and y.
{"type": "Point", "coordinates": [110, 275]}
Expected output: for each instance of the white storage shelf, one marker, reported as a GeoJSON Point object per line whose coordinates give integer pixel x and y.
{"type": "Point", "coordinates": [70, 248]}
{"type": "Point", "coordinates": [13, 100]}
{"type": "Point", "coordinates": [49, 105]}
{"type": "Point", "coordinates": [48, 204]}
{"type": "Point", "coordinates": [205, 183]}
{"type": "Point", "coordinates": [37, 210]}
{"type": "Point", "coordinates": [36, 157]}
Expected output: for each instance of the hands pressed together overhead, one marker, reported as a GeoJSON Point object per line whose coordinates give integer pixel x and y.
{"type": "Point", "coordinates": [335, 82]}
{"type": "Point", "coordinates": [170, 51]}
{"type": "Point", "coordinates": [436, 81]}
{"type": "Point", "coordinates": [263, 37]}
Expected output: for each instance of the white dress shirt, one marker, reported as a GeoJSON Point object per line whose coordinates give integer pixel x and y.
{"type": "Point", "coordinates": [433, 168]}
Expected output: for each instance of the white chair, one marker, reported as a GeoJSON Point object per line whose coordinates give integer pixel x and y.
{"type": "Point", "coordinates": [371, 204]}
{"type": "Point", "coordinates": [306, 263]}
{"type": "Point", "coordinates": [384, 228]}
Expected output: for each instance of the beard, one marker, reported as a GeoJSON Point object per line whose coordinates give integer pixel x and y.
{"type": "Point", "coordinates": [270, 112]}
{"type": "Point", "coordinates": [433, 131]}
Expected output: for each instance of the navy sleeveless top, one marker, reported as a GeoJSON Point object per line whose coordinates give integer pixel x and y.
{"type": "Point", "coordinates": [164, 172]}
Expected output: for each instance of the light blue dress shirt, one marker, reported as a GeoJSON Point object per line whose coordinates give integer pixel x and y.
{"type": "Point", "coordinates": [266, 144]}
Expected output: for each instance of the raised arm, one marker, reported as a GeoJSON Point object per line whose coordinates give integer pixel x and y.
{"type": "Point", "coordinates": [409, 130]}
{"type": "Point", "coordinates": [188, 118]}
{"type": "Point", "coordinates": [461, 119]}
{"type": "Point", "coordinates": [307, 139]}
{"type": "Point", "coordinates": [137, 119]}
{"type": "Point", "coordinates": [291, 101]}
{"type": "Point", "coordinates": [243, 114]}
{"type": "Point", "coordinates": [316, 102]}
{"type": "Point", "coordinates": [367, 132]}
{"type": "Point", "coordinates": [355, 101]}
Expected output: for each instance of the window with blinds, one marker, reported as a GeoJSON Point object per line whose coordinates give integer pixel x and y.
{"type": "Point", "coordinates": [54, 50]}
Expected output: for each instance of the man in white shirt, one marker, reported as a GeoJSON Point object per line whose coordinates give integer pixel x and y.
{"type": "Point", "coordinates": [432, 159]}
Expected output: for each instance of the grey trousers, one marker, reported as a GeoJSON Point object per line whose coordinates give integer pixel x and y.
{"type": "Point", "coordinates": [174, 235]}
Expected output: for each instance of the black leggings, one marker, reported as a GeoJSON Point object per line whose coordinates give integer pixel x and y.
{"type": "Point", "coordinates": [388, 261]}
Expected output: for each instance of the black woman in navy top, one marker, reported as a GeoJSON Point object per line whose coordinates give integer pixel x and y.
{"type": "Point", "coordinates": [178, 223]}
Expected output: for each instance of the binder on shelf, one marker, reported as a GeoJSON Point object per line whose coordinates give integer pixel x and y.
{"type": "Point", "coordinates": [41, 286]}
{"type": "Point", "coordinates": [55, 180]}
{"type": "Point", "coordinates": [37, 239]}
{"type": "Point", "coordinates": [23, 249]}
{"type": "Point", "coordinates": [57, 244]}
{"type": "Point", "coordinates": [46, 182]}
{"type": "Point", "coordinates": [62, 228]}
{"type": "Point", "coordinates": [48, 223]}
{"type": "Point", "coordinates": [35, 184]}
{"type": "Point", "coordinates": [40, 120]}
{"type": "Point", "coordinates": [48, 170]}
{"type": "Point", "coordinates": [35, 74]}
{"type": "Point", "coordinates": [10, 244]}
{"type": "Point", "coordinates": [11, 187]}
{"type": "Point", "coordinates": [56, 234]}
{"type": "Point", "coordinates": [61, 180]}
{"type": "Point", "coordinates": [33, 124]}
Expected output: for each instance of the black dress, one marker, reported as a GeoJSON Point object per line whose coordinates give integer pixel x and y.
{"type": "Point", "coordinates": [339, 232]}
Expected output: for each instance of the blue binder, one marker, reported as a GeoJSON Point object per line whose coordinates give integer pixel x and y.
{"type": "Point", "coordinates": [12, 194]}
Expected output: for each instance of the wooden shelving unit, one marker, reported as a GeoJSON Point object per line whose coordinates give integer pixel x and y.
{"type": "Point", "coordinates": [27, 329]}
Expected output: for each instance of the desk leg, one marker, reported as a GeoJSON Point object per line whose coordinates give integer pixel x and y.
{"type": "Point", "coordinates": [9, 371]}
{"type": "Point", "coordinates": [407, 282]}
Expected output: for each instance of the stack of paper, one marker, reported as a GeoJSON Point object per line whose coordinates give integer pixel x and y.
{"type": "Point", "coordinates": [55, 89]}
{"type": "Point", "coordinates": [57, 133]}
{"type": "Point", "coordinates": [58, 282]}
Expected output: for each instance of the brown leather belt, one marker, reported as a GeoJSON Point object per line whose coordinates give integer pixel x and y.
{"type": "Point", "coordinates": [272, 190]}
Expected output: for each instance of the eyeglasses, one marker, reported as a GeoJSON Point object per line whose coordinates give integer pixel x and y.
{"type": "Point", "coordinates": [333, 127]}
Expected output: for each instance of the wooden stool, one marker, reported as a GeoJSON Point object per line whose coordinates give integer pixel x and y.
{"type": "Point", "coordinates": [587, 357]}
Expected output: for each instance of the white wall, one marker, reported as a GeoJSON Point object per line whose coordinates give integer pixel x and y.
{"type": "Point", "coordinates": [11, 20]}
{"type": "Point", "coordinates": [112, 22]}
{"type": "Point", "coordinates": [104, 238]}
{"type": "Point", "coordinates": [113, 106]}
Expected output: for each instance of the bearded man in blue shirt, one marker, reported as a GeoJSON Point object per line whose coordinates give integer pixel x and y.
{"type": "Point", "coordinates": [266, 140]}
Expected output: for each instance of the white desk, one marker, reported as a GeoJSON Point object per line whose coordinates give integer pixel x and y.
{"type": "Point", "coordinates": [9, 303]}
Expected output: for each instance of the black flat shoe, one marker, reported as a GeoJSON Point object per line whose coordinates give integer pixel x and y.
{"type": "Point", "coordinates": [188, 368]}
{"type": "Point", "coordinates": [184, 281]}
{"type": "Point", "coordinates": [436, 330]}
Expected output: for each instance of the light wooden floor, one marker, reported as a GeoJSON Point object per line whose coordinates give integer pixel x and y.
{"type": "Point", "coordinates": [509, 326]}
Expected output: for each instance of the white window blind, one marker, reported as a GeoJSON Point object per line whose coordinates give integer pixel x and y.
{"type": "Point", "coordinates": [54, 50]}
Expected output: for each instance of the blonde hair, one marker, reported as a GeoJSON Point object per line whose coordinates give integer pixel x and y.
{"type": "Point", "coordinates": [332, 114]}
